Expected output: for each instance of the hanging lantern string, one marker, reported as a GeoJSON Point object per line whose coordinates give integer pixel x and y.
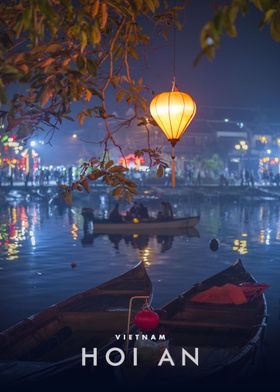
{"type": "Point", "coordinates": [174, 88]}
{"type": "Point", "coordinates": [173, 111]}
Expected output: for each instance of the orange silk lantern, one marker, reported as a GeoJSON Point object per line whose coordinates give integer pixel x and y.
{"type": "Point", "coordinates": [173, 111]}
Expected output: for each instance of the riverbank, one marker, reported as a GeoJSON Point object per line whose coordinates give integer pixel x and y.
{"type": "Point", "coordinates": [150, 192]}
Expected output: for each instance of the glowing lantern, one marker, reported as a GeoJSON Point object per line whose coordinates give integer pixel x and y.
{"type": "Point", "coordinates": [173, 111]}
{"type": "Point", "coordinates": [146, 320]}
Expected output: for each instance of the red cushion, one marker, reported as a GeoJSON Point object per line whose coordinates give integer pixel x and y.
{"type": "Point", "coordinates": [253, 290]}
{"type": "Point", "coordinates": [230, 293]}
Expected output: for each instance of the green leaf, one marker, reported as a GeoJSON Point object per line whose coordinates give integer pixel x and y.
{"type": "Point", "coordinates": [83, 40]}
{"type": "Point", "coordinates": [232, 13]}
{"type": "Point", "coordinates": [151, 5]}
{"type": "Point", "coordinates": [120, 95]}
{"type": "Point", "coordinates": [179, 25]}
{"type": "Point", "coordinates": [95, 35]}
{"type": "Point", "coordinates": [92, 66]}
{"type": "Point", "coordinates": [258, 4]}
{"type": "Point", "coordinates": [268, 15]}
{"type": "Point", "coordinates": [275, 27]}
{"type": "Point", "coordinates": [133, 53]}
{"type": "Point", "coordinates": [231, 30]}
{"type": "Point", "coordinates": [27, 15]}
{"type": "Point", "coordinates": [8, 69]}
{"type": "Point", "coordinates": [80, 61]}
{"type": "Point", "coordinates": [3, 96]}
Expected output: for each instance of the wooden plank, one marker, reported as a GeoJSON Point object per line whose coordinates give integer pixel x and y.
{"type": "Point", "coordinates": [207, 325]}
{"type": "Point", "coordinates": [114, 321]}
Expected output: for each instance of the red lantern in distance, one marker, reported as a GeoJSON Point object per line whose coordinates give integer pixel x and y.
{"type": "Point", "coordinates": [146, 320]}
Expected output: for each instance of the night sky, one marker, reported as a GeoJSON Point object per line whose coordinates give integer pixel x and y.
{"type": "Point", "coordinates": [244, 75]}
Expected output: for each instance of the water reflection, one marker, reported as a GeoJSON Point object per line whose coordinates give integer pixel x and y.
{"type": "Point", "coordinates": [240, 246]}
{"type": "Point", "coordinates": [246, 223]}
{"type": "Point", "coordinates": [18, 224]}
{"type": "Point", "coordinates": [137, 241]}
{"type": "Point", "coordinates": [56, 258]}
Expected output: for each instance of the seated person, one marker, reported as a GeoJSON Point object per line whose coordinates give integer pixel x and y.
{"type": "Point", "coordinates": [143, 212]}
{"type": "Point", "coordinates": [88, 215]}
{"type": "Point", "coordinates": [165, 212]}
{"type": "Point", "coordinates": [114, 215]}
{"type": "Point", "coordinates": [133, 212]}
{"type": "Point", "coordinates": [169, 210]}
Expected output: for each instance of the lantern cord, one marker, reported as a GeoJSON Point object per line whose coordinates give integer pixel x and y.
{"type": "Point", "coordinates": [173, 167]}
{"type": "Point", "coordinates": [174, 52]}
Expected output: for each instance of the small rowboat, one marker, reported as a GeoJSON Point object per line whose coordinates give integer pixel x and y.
{"type": "Point", "coordinates": [226, 335]}
{"type": "Point", "coordinates": [91, 317]}
{"type": "Point", "coordinates": [183, 313]}
{"type": "Point", "coordinates": [153, 226]}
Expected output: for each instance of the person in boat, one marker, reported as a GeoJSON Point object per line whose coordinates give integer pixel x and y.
{"type": "Point", "coordinates": [165, 212]}
{"type": "Point", "coordinates": [169, 210]}
{"type": "Point", "coordinates": [88, 215]}
{"type": "Point", "coordinates": [143, 212]}
{"type": "Point", "coordinates": [115, 216]}
{"type": "Point", "coordinates": [133, 212]}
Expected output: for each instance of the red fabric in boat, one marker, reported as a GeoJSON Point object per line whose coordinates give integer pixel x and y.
{"type": "Point", "coordinates": [226, 294]}
{"type": "Point", "coordinates": [253, 290]}
{"type": "Point", "coordinates": [230, 293]}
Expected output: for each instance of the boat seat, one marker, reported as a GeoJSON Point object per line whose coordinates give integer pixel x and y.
{"type": "Point", "coordinates": [207, 325]}
{"type": "Point", "coordinates": [47, 345]}
{"type": "Point", "coordinates": [114, 320]}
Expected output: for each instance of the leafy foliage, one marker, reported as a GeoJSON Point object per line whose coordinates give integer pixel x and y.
{"type": "Point", "coordinates": [225, 20]}
{"type": "Point", "coordinates": [77, 51]}
{"type": "Point", "coordinates": [112, 175]}
{"type": "Point", "coordinates": [65, 51]}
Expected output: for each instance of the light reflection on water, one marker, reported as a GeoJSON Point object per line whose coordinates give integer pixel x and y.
{"type": "Point", "coordinates": [40, 246]}
{"type": "Point", "coordinates": [16, 227]}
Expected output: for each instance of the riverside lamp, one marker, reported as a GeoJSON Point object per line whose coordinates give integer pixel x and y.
{"type": "Point", "coordinates": [173, 111]}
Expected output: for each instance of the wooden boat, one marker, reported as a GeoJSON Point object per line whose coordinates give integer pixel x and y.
{"type": "Point", "coordinates": [227, 335]}
{"type": "Point", "coordinates": [89, 318]}
{"type": "Point", "coordinates": [104, 226]}
{"type": "Point", "coordinates": [183, 313]}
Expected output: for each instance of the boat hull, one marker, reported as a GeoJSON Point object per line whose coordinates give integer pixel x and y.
{"type": "Point", "coordinates": [223, 355]}
{"type": "Point", "coordinates": [227, 336]}
{"type": "Point", "coordinates": [61, 330]}
{"type": "Point", "coordinates": [149, 226]}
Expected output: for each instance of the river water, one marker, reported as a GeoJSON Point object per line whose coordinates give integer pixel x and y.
{"type": "Point", "coordinates": [45, 257]}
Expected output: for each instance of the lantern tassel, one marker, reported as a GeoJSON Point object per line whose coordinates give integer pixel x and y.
{"type": "Point", "coordinates": [173, 167]}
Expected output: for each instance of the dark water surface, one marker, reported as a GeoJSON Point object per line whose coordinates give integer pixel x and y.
{"type": "Point", "coordinates": [44, 256]}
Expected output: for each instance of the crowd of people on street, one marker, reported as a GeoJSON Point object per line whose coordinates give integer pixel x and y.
{"type": "Point", "coordinates": [45, 176]}
{"type": "Point", "coordinates": [250, 179]}
{"type": "Point", "coordinates": [244, 178]}
{"type": "Point", "coordinates": [42, 176]}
